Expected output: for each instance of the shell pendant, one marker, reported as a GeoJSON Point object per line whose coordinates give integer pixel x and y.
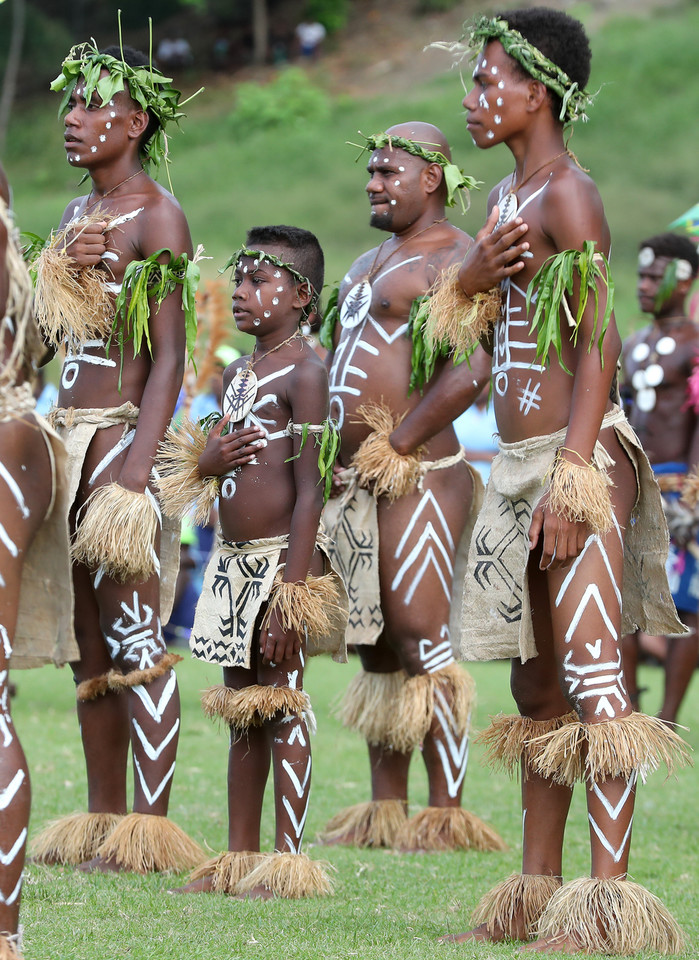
{"type": "Point", "coordinates": [240, 395]}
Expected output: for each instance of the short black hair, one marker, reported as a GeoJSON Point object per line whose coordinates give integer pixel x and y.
{"type": "Point", "coordinates": [304, 252]}
{"type": "Point", "coordinates": [559, 37]}
{"type": "Point", "coordinates": [135, 58]}
{"type": "Point", "coordinates": [673, 246]}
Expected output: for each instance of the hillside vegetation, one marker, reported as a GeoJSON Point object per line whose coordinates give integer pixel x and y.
{"type": "Point", "coordinates": [284, 158]}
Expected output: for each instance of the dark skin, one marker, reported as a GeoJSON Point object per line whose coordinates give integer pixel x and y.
{"type": "Point", "coordinates": [677, 445]}
{"type": "Point", "coordinates": [564, 211]}
{"type": "Point", "coordinates": [293, 500]}
{"type": "Point", "coordinates": [104, 140]}
{"type": "Point", "coordinates": [407, 201]}
{"type": "Point", "coordinates": [25, 461]}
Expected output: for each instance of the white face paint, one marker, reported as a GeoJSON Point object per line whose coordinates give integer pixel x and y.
{"type": "Point", "coordinates": [497, 118]}
{"type": "Point", "coordinates": [102, 138]}
{"type": "Point", "coordinates": [494, 71]}
{"type": "Point", "coordinates": [483, 101]}
{"type": "Point", "coordinates": [501, 84]}
{"type": "Point", "coordinates": [499, 101]}
{"type": "Point", "coordinates": [490, 135]}
{"type": "Point", "coordinates": [665, 346]}
{"type": "Point", "coordinates": [108, 125]}
{"type": "Point", "coordinates": [401, 169]}
{"type": "Point", "coordinates": [396, 183]}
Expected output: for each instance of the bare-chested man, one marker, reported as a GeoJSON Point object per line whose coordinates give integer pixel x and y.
{"type": "Point", "coordinates": [407, 496]}
{"type": "Point", "coordinates": [114, 405]}
{"type": "Point", "coordinates": [545, 567]}
{"type": "Point", "coordinates": [33, 546]}
{"type": "Point", "coordinates": [658, 362]}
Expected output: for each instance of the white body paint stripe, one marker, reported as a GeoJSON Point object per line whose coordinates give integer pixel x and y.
{"type": "Point", "coordinates": [15, 489]}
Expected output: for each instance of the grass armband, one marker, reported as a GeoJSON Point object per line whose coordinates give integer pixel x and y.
{"type": "Point", "coordinates": [311, 606]}
{"type": "Point", "coordinates": [326, 333]}
{"type": "Point", "coordinates": [117, 533]}
{"type": "Point", "coordinates": [392, 474]}
{"type": "Point", "coordinates": [554, 280]}
{"type": "Point", "coordinates": [149, 279]}
{"type": "Point", "coordinates": [70, 302]}
{"type": "Point", "coordinates": [181, 487]}
{"type": "Point", "coordinates": [456, 319]}
{"type": "Point", "coordinates": [580, 493]}
{"type": "Point", "coordinates": [326, 436]}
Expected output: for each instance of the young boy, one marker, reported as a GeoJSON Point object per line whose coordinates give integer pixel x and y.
{"type": "Point", "coordinates": [119, 383]}
{"type": "Point", "coordinates": [33, 547]}
{"type": "Point", "coordinates": [658, 368]}
{"type": "Point", "coordinates": [269, 595]}
{"type": "Point", "coordinates": [555, 532]}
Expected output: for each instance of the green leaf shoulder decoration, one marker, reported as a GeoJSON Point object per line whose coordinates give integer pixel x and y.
{"type": "Point", "coordinates": [330, 316]}
{"type": "Point", "coordinates": [426, 349]}
{"type": "Point", "coordinates": [149, 279]}
{"type": "Point", "coordinates": [554, 280]}
{"type": "Point", "coordinates": [326, 437]}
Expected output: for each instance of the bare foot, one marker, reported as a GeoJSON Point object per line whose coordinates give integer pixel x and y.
{"type": "Point", "coordinates": [480, 932]}
{"type": "Point", "coordinates": [102, 865]}
{"type": "Point", "coordinates": [202, 885]}
{"type": "Point", "coordinates": [257, 893]}
{"type": "Point", "coordinates": [560, 943]}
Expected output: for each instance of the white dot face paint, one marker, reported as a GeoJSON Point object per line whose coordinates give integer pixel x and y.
{"type": "Point", "coordinates": [401, 169]}
{"type": "Point", "coordinates": [499, 101]}
{"type": "Point", "coordinates": [93, 149]}
{"type": "Point", "coordinates": [385, 160]}
{"type": "Point", "coordinates": [483, 101]}
{"type": "Point", "coordinates": [280, 289]}
{"type": "Point", "coordinates": [112, 114]}
{"type": "Point", "coordinates": [102, 138]}
{"type": "Point", "coordinates": [393, 203]}
{"type": "Point", "coordinates": [109, 125]}
{"type": "Point", "coordinates": [490, 135]}
{"type": "Point", "coordinates": [275, 300]}
{"type": "Point", "coordinates": [494, 71]}
{"type": "Point", "coordinates": [497, 118]}
{"type": "Point", "coordinates": [484, 63]}
{"type": "Point", "coordinates": [277, 275]}
{"type": "Point", "coordinates": [501, 84]}
{"type": "Point", "coordinates": [396, 183]}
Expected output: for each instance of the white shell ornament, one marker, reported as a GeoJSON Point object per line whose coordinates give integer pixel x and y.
{"type": "Point", "coordinates": [640, 352]}
{"type": "Point", "coordinates": [665, 346]}
{"type": "Point", "coordinates": [356, 305]}
{"type": "Point", "coordinates": [240, 395]}
{"type": "Point", "coordinates": [654, 374]}
{"type": "Point", "coordinates": [645, 399]}
{"type": "Point", "coordinates": [508, 207]}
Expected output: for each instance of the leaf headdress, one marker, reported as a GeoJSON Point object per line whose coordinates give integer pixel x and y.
{"type": "Point", "coordinates": [574, 101]}
{"type": "Point", "coordinates": [258, 256]}
{"type": "Point", "coordinates": [454, 178]}
{"type": "Point", "coordinates": [151, 90]}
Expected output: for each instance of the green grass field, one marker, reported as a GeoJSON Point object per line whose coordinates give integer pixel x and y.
{"type": "Point", "coordinates": [386, 905]}
{"type": "Point", "coordinates": [640, 147]}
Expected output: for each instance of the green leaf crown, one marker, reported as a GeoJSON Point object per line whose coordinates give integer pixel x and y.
{"type": "Point", "coordinates": [454, 178]}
